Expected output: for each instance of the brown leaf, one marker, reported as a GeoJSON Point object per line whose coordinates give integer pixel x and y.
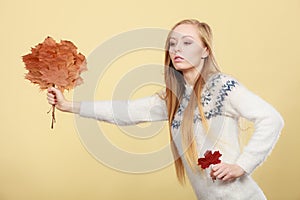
{"type": "Point", "coordinates": [55, 63]}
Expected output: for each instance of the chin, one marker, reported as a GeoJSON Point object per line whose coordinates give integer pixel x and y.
{"type": "Point", "coordinates": [182, 67]}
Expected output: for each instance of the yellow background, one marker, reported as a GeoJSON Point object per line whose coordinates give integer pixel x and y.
{"type": "Point", "coordinates": [256, 41]}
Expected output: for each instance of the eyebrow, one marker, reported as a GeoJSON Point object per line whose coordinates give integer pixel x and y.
{"type": "Point", "coordinates": [182, 37]}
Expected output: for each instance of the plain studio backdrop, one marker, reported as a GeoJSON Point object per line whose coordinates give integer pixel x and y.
{"type": "Point", "coordinates": [255, 41]}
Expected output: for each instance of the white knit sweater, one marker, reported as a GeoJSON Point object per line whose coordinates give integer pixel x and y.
{"type": "Point", "coordinates": [224, 100]}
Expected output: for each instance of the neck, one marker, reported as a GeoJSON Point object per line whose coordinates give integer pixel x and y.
{"type": "Point", "coordinates": [190, 76]}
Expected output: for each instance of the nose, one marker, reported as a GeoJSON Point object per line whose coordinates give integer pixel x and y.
{"type": "Point", "coordinates": [178, 47]}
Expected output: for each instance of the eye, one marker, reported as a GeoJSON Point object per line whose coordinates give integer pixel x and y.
{"type": "Point", "coordinates": [172, 43]}
{"type": "Point", "coordinates": [187, 43]}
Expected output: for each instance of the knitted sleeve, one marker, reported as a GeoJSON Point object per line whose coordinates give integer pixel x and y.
{"type": "Point", "coordinates": [129, 112]}
{"type": "Point", "coordinates": [267, 121]}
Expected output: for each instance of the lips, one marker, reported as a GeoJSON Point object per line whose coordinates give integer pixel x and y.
{"type": "Point", "coordinates": [178, 59]}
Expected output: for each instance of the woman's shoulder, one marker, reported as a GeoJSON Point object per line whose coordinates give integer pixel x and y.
{"type": "Point", "coordinates": [221, 80]}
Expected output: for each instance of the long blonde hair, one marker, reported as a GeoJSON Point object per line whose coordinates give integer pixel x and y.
{"type": "Point", "coordinates": [174, 92]}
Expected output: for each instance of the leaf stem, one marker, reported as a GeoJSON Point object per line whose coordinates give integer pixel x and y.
{"type": "Point", "coordinates": [53, 114]}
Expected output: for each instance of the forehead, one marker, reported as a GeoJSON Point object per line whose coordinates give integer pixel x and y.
{"type": "Point", "coordinates": [185, 30]}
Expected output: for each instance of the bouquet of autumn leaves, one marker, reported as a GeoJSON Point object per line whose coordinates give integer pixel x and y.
{"type": "Point", "coordinates": [52, 64]}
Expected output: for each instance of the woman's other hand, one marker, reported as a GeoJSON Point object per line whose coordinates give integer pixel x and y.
{"type": "Point", "coordinates": [226, 172]}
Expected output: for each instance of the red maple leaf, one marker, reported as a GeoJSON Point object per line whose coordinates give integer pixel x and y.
{"type": "Point", "coordinates": [209, 159]}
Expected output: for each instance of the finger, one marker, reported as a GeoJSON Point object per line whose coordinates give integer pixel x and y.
{"type": "Point", "coordinates": [223, 174]}
{"type": "Point", "coordinates": [50, 95]}
{"type": "Point", "coordinates": [219, 170]}
{"type": "Point", "coordinates": [53, 90]}
{"type": "Point", "coordinates": [52, 102]}
{"type": "Point", "coordinates": [217, 166]}
{"type": "Point", "coordinates": [217, 173]}
{"type": "Point", "coordinates": [228, 177]}
{"type": "Point", "coordinates": [53, 93]}
{"type": "Point", "coordinates": [213, 178]}
{"type": "Point", "coordinates": [212, 175]}
{"type": "Point", "coordinates": [51, 99]}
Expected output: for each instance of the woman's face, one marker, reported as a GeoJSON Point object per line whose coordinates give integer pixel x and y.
{"type": "Point", "coordinates": [186, 48]}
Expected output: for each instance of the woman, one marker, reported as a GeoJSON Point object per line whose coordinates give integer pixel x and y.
{"type": "Point", "coordinates": [202, 106]}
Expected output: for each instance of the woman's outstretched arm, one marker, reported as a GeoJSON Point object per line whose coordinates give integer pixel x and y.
{"type": "Point", "coordinates": [126, 112]}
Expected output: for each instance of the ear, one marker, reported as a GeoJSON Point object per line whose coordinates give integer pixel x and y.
{"type": "Point", "coordinates": [205, 53]}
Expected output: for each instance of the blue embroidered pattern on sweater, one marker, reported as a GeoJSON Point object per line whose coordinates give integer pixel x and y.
{"type": "Point", "coordinates": [207, 99]}
{"type": "Point", "coordinates": [223, 92]}
{"type": "Point", "coordinates": [176, 124]}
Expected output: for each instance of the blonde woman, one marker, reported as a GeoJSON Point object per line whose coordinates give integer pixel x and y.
{"type": "Point", "coordinates": [202, 106]}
